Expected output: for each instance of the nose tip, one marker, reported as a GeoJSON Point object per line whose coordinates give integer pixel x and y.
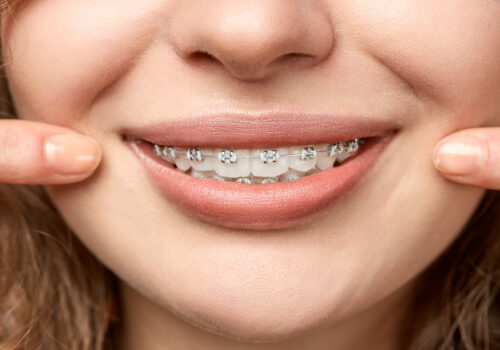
{"type": "Point", "coordinates": [252, 39]}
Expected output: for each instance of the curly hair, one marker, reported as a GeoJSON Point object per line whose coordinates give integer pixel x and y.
{"type": "Point", "coordinates": [55, 294]}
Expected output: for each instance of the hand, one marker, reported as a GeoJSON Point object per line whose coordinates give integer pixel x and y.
{"type": "Point", "coordinates": [471, 156]}
{"type": "Point", "coordinates": [39, 153]}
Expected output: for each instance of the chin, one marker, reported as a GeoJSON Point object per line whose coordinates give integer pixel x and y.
{"type": "Point", "coordinates": [255, 313]}
{"type": "Point", "coordinates": [253, 326]}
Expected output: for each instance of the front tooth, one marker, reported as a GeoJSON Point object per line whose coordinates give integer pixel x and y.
{"type": "Point", "coordinates": [233, 170]}
{"type": "Point", "coordinates": [206, 164]}
{"type": "Point", "coordinates": [271, 168]}
{"type": "Point", "coordinates": [309, 161]}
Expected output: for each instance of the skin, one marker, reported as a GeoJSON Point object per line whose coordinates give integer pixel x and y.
{"type": "Point", "coordinates": [343, 281]}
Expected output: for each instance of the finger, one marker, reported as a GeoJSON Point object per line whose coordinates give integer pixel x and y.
{"type": "Point", "coordinates": [39, 153]}
{"type": "Point", "coordinates": [471, 156]}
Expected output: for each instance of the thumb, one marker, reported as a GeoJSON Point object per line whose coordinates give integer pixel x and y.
{"type": "Point", "coordinates": [470, 156]}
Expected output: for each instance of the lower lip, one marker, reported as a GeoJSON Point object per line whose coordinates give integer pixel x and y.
{"type": "Point", "coordinates": [260, 206]}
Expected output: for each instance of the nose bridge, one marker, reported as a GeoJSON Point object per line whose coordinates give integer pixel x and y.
{"type": "Point", "coordinates": [252, 38]}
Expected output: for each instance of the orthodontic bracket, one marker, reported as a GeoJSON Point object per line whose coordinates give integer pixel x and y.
{"type": "Point", "coordinates": [226, 156]}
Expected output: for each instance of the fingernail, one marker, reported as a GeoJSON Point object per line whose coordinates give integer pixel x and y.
{"type": "Point", "coordinates": [71, 154]}
{"type": "Point", "coordinates": [460, 155]}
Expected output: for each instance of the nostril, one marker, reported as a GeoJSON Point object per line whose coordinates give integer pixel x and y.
{"type": "Point", "coordinates": [202, 56]}
{"type": "Point", "coordinates": [293, 57]}
{"type": "Point", "coordinates": [287, 58]}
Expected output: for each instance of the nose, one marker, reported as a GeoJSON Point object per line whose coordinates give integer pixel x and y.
{"type": "Point", "coordinates": [252, 39]}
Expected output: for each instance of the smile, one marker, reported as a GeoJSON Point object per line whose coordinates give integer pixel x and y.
{"type": "Point", "coordinates": [266, 181]}
{"type": "Point", "coordinates": [283, 164]}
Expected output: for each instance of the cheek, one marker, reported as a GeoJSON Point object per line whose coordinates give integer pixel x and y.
{"type": "Point", "coordinates": [55, 76]}
{"type": "Point", "coordinates": [448, 51]}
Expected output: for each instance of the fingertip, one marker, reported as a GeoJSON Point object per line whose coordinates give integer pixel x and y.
{"type": "Point", "coordinates": [72, 154]}
{"type": "Point", "coordinates": [460, 155]}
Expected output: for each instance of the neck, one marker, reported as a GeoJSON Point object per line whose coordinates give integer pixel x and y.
{"type": "Point", "coordinates": [146, 325]}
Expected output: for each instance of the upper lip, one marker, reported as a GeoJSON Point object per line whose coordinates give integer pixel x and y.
{"type": "Point", "coordinates": [251, 130]}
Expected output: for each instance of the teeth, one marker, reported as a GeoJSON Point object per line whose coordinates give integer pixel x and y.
{"type": "Point", "coordinates": [344, 150]}
{"type": "Point", "coordinates": [244, 180]}
{"type": "Point", "coordinates": [226, 165]}
{"type": "Point", "coordinates": [194, 155]}
{"type": "Point", "coordinates": [313, 171]}
{"type": "Point", "coordinates": [269, 163]}
{"type": "Point", "coordinates": [269, 180]}
{"type": "Point", "coordinates": [183, 163]}
{"type": "Point", "coordinates": [167, 153]}
{"type": "Point", "coordinates": [263, 166]}
{"type": "Point", "coordinates": [307, 159]}
{"type": "Point", "coordinates": [158, 150]}
{"type": "Point", "coordinates": [199, 174]}
{"type": "Point", "coordinates": [325, 161]}
{"type": "Point", "coordinates": [291, 175]}
{"type": "Point", "coordinates": [217, 177]}
{"type": "Point", "coordinates": [205, 164]}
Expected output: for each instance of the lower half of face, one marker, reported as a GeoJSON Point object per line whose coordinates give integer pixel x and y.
{"type": "Point", "coordinates": [386, 62]}
{"type": "Point", "coordinates": [369, 244]}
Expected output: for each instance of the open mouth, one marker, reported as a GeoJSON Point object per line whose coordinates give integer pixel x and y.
{"type": "Point", "coordinates": [268, 205]}
{"type": "Point", "coordinates": [259, 173]}
{"type": "Point", "coordinates": [257, 166]}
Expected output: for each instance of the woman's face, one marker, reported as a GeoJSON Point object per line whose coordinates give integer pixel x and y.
{"type": "Point", "coordinates": [423, 67]}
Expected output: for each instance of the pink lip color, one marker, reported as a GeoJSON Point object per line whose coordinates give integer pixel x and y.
{"type": "Point", "coordinates": [243, 131]}
{"type": "Point", "coordinates": [264, 206]}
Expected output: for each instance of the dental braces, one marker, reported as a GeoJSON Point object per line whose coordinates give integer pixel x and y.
{"type": "Point", "coordinates": [227, 156]}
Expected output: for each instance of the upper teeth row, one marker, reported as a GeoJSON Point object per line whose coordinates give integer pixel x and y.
{"type": "Point", "coordinates": [227, 156]}
{"type": "Point", "coordinates": [260, 163]}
